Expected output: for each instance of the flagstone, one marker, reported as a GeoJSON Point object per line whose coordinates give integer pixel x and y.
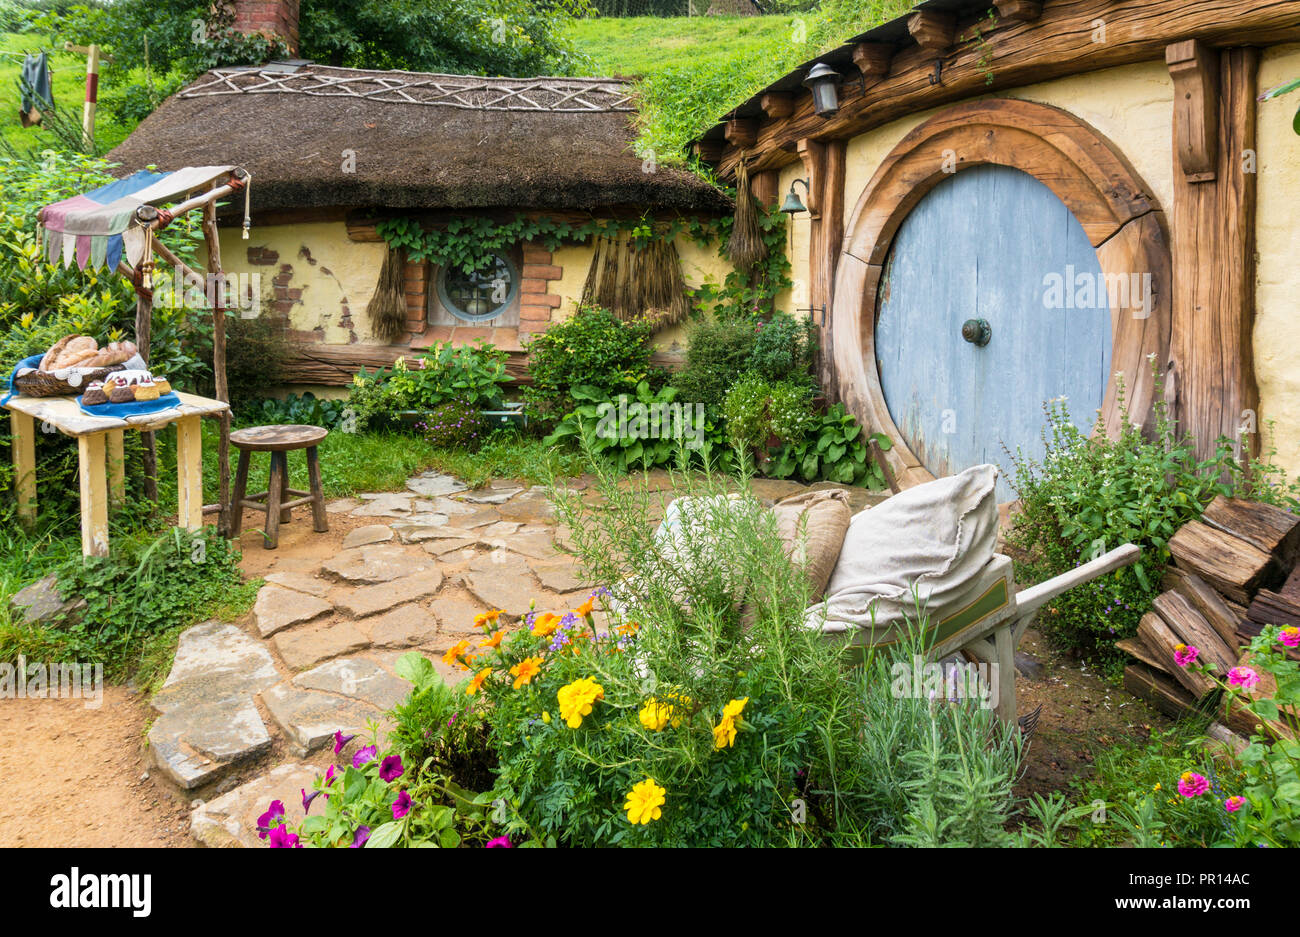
{"type": "Point", "coordinates": [300, 582]}
{"type": "Point", "coordinates": [278, 608]}
{"type": "Point", "coordinates": [442, 547]}
{"type": "Point", "coordinates": [231, 819]}
{"type": "Point", "coordinates": [370, 600]}
{"type": "Point", "coordinates": [375, 563]}
{"type": "Point", "coordinates": [309, 718]}
{"type": "Point", "coordinates": [307, 647]}
{"type": "Point", "coordinates": [363, 536]}
{"type": "Point", "coordinates": [432, 484]}
{"type": "Point", "coordinates": [404, 626]}
{"type": "Point", "coordinates": [356, 678]}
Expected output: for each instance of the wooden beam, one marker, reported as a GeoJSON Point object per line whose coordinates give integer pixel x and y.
{"type": "Point", "coordinates": [1023, 10]}
{"type": "Point", "coordinates": [1062, 42]}
{"type": "Point", "coordinates": [777, 103]}
{"type": "Point", "coordinates": [708, 151]}
{"type": "Point", "coordinates": [1213, 235]}
{"type": "Point", "coordinates": [872, 60]}
{"type": "Point", "coordinates": [741, 132]}
{"type": "Point", "coordinates": [766, 187]}
{"type": "Point", "coordinates": [1194, 68]}
{"type": "Point", "coordinates": [932, 29]}
{"type": "Point", "coordinates": [811, 153]}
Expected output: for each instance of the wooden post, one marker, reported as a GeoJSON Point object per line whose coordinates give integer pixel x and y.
{"type": "Point", "coordinates": [210, 237]}
{"type": "Point", "coordinates": [91, 52]}
{"type": "Point", "coordinates": [23, 428]}
{"type": "Point", "coordinates": [143, 326]}
{"type": "Point", "coordinates": [116, 467]}
{"type": "Point", "coordinates": [189, 473]}
{"type": "Point", "coordinates": [1213, 234]}
{"type": "Point", "coordinates": [824, 161]}
{"type": "Point", "coordinates": [94, 495]}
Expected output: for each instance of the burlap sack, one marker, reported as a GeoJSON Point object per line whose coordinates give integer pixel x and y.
{"type": "Point", "coordinates": [812, 526]}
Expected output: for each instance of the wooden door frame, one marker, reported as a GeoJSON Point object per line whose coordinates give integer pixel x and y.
{"type": "Point", "coordinates": [1119, 215]}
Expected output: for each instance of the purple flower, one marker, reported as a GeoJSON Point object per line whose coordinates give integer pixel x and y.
{"type": "Point", "coordinates": [275, 811]}
{"type": "Point", "coordinates": [402, 806]}
{"type": "Point", "coordinates": [281, 838]}
{"type": "Point", "coordinates": [501, 842]}
{"type": "Point", "coordinates": [364, 756]}
{"type": "Point", "coordinates": [340, 740]}
{"type": "Point", "coordinates": [359, 837]}
{"type": "Point", "coordinates": [307, 799]}
{"type": "Point", "coordinates": [391, 768]}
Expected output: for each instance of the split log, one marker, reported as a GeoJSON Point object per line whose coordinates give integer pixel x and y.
{"type": "Point", "coordinates": [1228, 563]}
{"type": "Point", "coordinates": [1269, 528]}
{"type": "Point", "coordinates": [1157, 636]}
{"type": "Point", "coordinates": [1244, 722]}
{"type": "Point", "coordinates": [1273, 608]}
{"type": "Point", "coordinates": [1158, 690]}
{"type": "Point", "coordinates": [1136, 647]}
{"type": "Point", "coordinates": [1191, 628]}
{"type": "Point", "coordinates": [1206, 601]}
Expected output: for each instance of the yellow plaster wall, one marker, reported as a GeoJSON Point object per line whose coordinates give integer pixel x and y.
{"type": "Point", "coordinates": [1277, 231]}
{"type": "Point", "coordinates": [328, 268]}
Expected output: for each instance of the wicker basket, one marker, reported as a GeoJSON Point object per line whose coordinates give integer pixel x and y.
{"type": "Point", "coordinates": [45, 384]}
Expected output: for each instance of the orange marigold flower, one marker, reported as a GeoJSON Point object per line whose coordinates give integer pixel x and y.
{"type": "Point", "coordinates": [476, 683]}
{"type": "Point", "coordinates": [494, 641]}
{"type": "Point", "coordinates": [525, 670]}
{"type": "Point", "coordinates": [486, 620]}
{"type": "Point", "coordinates": [545, 625]}
{"type": "Point", "coordinates": [583, 610]}
{"type": "Point", "coordinates": [454, 654]}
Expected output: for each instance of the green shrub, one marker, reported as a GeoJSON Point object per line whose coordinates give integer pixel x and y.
{"type": "Point", "coordinates": [454, 425]}
{"type": "Point", "coordinates": [306, 409]}
{"type": "Point", "coordinates": [832, 449]}
{"type": "Point", "coordinates": [784, 349]}
{"type": "Point", "coordinates": [475, 375]}
{"type": "Point", "coordinates": [717, 352]}
{"type": "Point", "coordinates": [591, 348]}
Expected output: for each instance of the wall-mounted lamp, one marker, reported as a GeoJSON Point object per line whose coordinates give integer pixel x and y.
{"type": "Point", "coordinates": [793, 204]}
{"type": "Point", "coordinates": [823, 81]}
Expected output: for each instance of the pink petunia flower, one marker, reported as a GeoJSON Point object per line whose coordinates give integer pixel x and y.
{"type": "Point", "coordinates": [307, 799]}
{"type": "Point", "coordinates": [281, 838]}
{"type": "Point", "coordinates": [391, 768]}
{"type": "Point", "coordinates": [1243, 677]}
{"type": "Point", "coordinates": [1233, 804]}
{"type": "Point", "coordinates": [402, 806]}
{"type": "Point", "coordinates": [1192, 784]}
{"type": "Point", "coordinates": [340, 740]}
{"type": "Point", "coordinates": [501, 842]}
{"type": "Point", "coordinates": [1185, 654]}
{"type": "Point", "coordinates": [359, 837]}
{"type": "Point", "coordinates": [274, 812]}
{"type": "Point", "coordinates": [364, 756]}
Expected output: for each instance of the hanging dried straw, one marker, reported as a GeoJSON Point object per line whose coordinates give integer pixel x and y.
{"type": "Point", "coordinates": [745, 248]}
{"type": "Point", "coordinates": [637, 282]}
{"type": "Point", "coordinates": [387, 308]}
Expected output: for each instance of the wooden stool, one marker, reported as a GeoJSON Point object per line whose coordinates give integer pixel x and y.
{"type": "Point", "coordinates": [277, 440]}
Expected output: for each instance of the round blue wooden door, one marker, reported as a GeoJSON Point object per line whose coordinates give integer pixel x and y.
{"type": "Point", "coordinates": [995, 247]}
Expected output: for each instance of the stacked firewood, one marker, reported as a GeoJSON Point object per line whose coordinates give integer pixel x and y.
{"type": "Point", "coordinates": [1234, 571]}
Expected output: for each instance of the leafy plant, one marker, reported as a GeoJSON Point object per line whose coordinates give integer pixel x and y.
{"type": "Point", "coordinates": [833, 449]}
{"type": "Point", "coordinates": [784, 348]}
{"type": "Point", "coordinates": [454, 425]}
{"type": "Point", "coordinates": [306, 409]}
{"type": "Point", "coordinates": [474, 374]}
{"type": "Point", "coordinates": [591, 349]}
{"type": "Point", "coordinates": [718, 349]}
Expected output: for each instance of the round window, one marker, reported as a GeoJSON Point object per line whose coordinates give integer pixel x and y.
{"type": "Point", "coordinates": [481, 295]}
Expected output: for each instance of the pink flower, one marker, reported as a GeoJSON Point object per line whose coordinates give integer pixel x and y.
{"type": "Point", "coordinates": [501, 842]}
{"type": "Point", "coordinates": [307, 799]}
{"type": "Point", "coordinates": [1185, 654]}
{"type": "Point", "coordinates": [274, 812]}
{"type": "Point", "coordinates": [341, 740]}
{"type": "Point", "coordinates": [1192, 784]}
{"type": "Point", "coordinates": [363, 756]}
{"type": "Point", "coordinates": [391, 768]}
{"type": "Point", "coordinates": [402, 806]}
{"type": "Point", "coordinates": [281, 838]}
{"type": "Point", "coordinates": [1233, 804]}
{"type": "Point", "coordinates": [1290, 636]}
{"type": "Point", "coordinates": [1243, 677]}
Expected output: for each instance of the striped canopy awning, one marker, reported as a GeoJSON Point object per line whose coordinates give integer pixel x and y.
{"type": "Point", "coordinates": [98, 228]}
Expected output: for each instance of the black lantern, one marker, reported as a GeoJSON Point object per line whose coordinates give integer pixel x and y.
{"type": "Point", "coordinates": [792, 204]}
{"type": "Point", "coordinates": [823, 81]}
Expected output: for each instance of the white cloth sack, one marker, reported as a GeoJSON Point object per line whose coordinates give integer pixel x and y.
{"type": "Point", "coordinates": [934, 539]}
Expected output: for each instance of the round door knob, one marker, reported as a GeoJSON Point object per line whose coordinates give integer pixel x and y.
{"type": "Point", "coordinates": [977, 331]}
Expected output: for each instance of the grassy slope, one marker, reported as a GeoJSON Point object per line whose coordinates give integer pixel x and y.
{"type": "Point", "coordinates": [692, 70]}
{"type": "Point", "coordinates": [69, 73]}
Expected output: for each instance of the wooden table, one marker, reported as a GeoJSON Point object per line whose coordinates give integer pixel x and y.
{"type": "Point", "coordinates": [99, 450]}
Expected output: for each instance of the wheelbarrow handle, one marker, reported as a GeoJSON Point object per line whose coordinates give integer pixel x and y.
{"type": "Point", "coordinates": [1030, 600]}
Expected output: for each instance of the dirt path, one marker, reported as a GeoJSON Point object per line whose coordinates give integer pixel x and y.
{"type": "Point", "coordinates": [72, 776]}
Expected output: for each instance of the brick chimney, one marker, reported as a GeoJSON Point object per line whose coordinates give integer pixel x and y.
{"type": "Point", "coordinates": [271, 18]}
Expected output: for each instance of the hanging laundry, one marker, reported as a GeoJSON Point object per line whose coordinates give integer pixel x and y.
{"type": "Point", "coordinates": [36, 84]}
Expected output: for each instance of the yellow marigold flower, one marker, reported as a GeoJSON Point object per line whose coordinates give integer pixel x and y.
{"type": "Point", "coordinates": [724, 733]}
{"type": "Point", "coordinates": [545, 624]}
{"type": "Point", "coordinates": [453, 655]}
{"type": "Point", "coordinates": [654, 715]}
{"type": "Point", "coordinates": [525, 670]}
{"type": "Point", "coordinates": [494, 641]}
{"type": "Point", "coordinates": [486, 620]}
{"type": "Point", "coordinates": [628, 629]}
{"type": "Point", "coordinates": [583, 610]}
{"type": "Point", "coordinates": [577, 698]}
{"type": "Point", "coordinates": [644, 801]}
{"type": "Point", "coordinates": [476, 684]}
{"type": "Point", "coordinates": [733, 709]}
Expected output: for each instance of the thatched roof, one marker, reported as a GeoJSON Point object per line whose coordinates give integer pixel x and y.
{"type": "Point", "coordinates": [420, 141]}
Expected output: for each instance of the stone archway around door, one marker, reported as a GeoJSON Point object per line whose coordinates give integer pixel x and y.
{"type": "Point", "coordinates": [1119, 216]}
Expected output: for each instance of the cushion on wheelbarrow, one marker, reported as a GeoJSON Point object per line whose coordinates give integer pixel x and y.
{"type": "Point", "coordinates": [923, 551]}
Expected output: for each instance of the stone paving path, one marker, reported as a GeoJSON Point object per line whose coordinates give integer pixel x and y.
{"type": "Point", "coordinates": [318, 654]}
